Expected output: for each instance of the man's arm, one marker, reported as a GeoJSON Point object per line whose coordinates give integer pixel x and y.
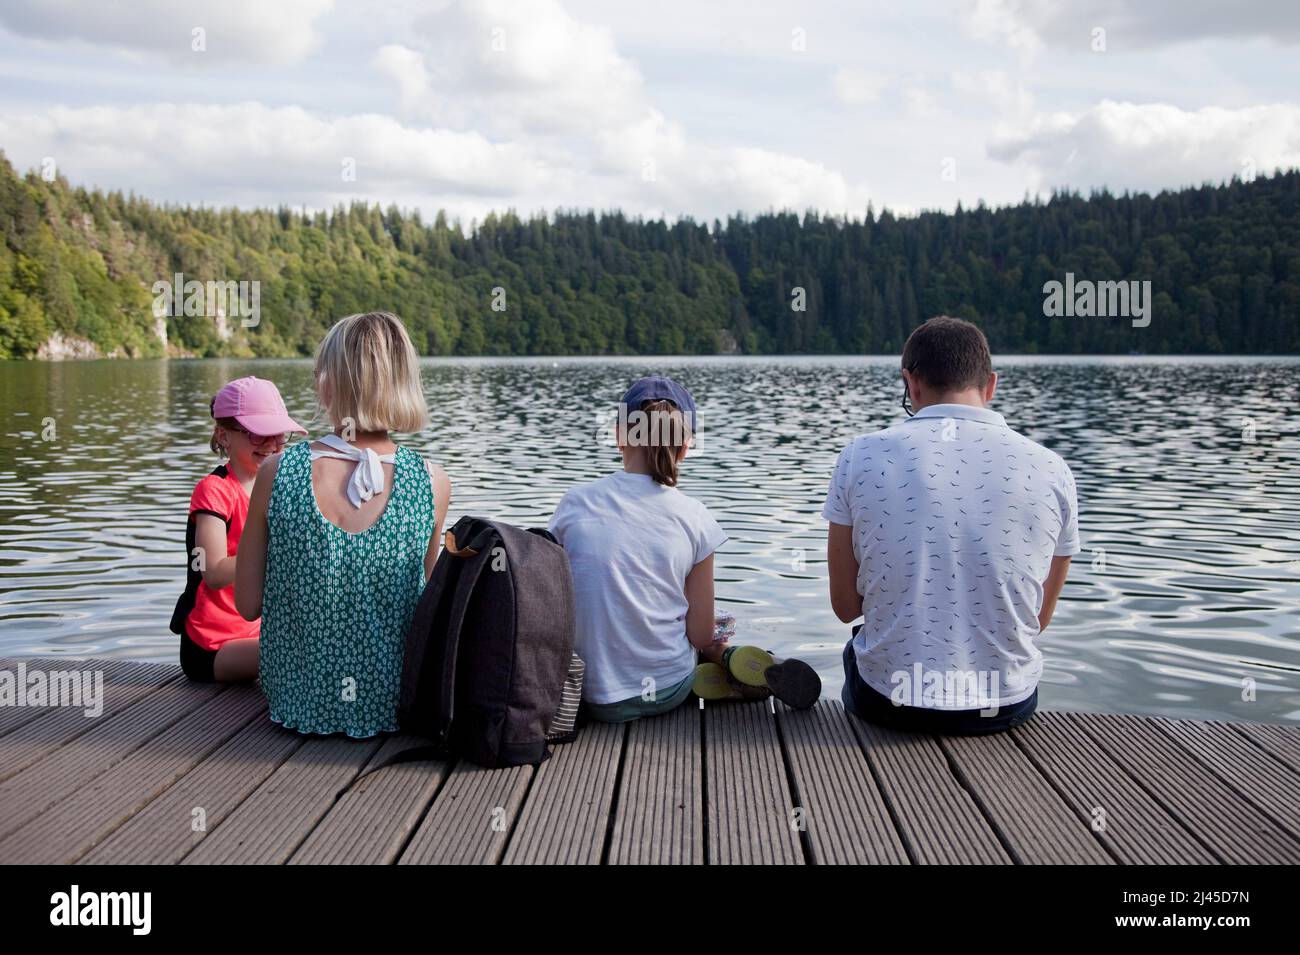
{"type": "Point", "coordinates": [843, 568]}
{"type": "Point", "coordinates": [1052, 590]}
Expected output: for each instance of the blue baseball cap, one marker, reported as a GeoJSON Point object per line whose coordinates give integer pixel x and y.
{"type": "Point", "coordinates": [659, 388]}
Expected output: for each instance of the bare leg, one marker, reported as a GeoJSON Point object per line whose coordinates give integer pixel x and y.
{"type": "Point", "coordinates": [236, 661]}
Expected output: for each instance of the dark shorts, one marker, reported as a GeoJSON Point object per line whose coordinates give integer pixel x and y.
{"type": "Point", "coordinates": [196, 662]}
{"type": "Point", "coordinates": [864, 702]}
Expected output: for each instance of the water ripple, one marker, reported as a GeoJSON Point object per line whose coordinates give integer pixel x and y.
{"type": "Point", "coordinates": [1183, 602]}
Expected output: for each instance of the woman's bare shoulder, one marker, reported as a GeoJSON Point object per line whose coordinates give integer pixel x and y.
{"type": "Point", "coordinates": [439, 482]}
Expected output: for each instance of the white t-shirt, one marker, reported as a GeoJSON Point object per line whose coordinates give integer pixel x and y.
{"type": "Point", "coordinates": [631, 543]}
{"type": "Point", "coordinates": [956, 519]}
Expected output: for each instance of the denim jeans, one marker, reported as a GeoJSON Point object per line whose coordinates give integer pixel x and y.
{"type": "Point", "coordinates": [864, 702]}
{"type": "Point", "coordinates": [669, 699]}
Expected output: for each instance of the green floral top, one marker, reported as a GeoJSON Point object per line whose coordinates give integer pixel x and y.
{"type": "Point", "coordinates": [337, 605]}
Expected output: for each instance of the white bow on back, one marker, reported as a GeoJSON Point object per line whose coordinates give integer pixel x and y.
{"type": "Point", "coordinates": [367, 477]}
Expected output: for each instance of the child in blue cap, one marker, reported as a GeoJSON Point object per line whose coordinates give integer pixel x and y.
{"type": "Point", "coordinates": [642, 558]}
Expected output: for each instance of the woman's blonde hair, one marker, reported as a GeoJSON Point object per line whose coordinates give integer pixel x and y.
{"type": "Point", "coordinates": [367, 371]}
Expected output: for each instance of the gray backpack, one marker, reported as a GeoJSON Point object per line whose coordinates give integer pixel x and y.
{"type": "Point", "coordinates": [489, 673]}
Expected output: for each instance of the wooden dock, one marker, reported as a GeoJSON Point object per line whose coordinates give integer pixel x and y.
{"type": "Point", "coordinates": [174, 772]}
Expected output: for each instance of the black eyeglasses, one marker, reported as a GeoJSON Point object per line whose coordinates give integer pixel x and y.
{"type": "Point", "coordinates": [907, 398]}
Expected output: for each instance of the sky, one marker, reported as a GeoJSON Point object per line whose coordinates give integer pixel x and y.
{"type": "Point", "coordinates": [665, 108]}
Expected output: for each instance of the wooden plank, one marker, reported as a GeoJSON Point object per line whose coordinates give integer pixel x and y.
{"type": "Point", "coordinates": [936, 817]}
{"type": "Point", "coordinates": [116, 674]}
{"type": "Point", "coordinates": [270, 825]}
{"type": "Point", "coordinates": [1124, 816]}
{"type": "Point", "coordinates": [567, 813]}
{"type": "Point", "coordinates": [169, 828]}
{"type": "Point", "coordinates": [71, 766]}
{"type": "Point", "coordinates": [1036, 826]}
{"type": "Point", "coordinates": [1250, 771]}
{"type": "Point", "coordinates": [1234, 829]}
{"type": "Point", "coordinates": [72, 827]}
{"type": "Point", "coordinates": [125, 787]}
{"type": "Point", "coordinates": [50, 727]}
{"type": "Point", "coordinates": [470, 820]}
{"type": "Point", "coordinates": [747, 796]}
{"type": "Point", "coordinates": [371, 824]}
{"type": "Point", "coordinates": [1280, 742]}
{"type": "Point", "coordinates": [846, 819]}
{"type": "Point", "coordinates": [659, 818]}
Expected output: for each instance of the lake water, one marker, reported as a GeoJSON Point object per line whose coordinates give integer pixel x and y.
{"type": "Point", "coordinates": [1185, 598]}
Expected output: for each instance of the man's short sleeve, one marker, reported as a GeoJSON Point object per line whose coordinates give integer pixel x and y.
{"type": "Point", "coordinates": [836, 508]}
{"type": "Point", "coordinates": [1067, 543]}
{"type": "Point", "coordinates": [212, 496]}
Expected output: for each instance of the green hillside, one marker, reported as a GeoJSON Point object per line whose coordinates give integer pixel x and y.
{"type": "Point", "coordinates": [78, 266]}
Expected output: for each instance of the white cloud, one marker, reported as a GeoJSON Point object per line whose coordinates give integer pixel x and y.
{"type": "Point", "coordinates": [1152, 146]}
{"type": "Point", "coordinates": [995, 88]}
{"type": "Point", "coordinates": [252, 154]}
{"type": "Point", "coordinates": [759, 179]}
{"type": "Point", "coordinates": [1003, 20]}
{"type": "Point", "coordinates": [720, 179]}
{"type": "Point", "coordinates": [257, 31]}
{"type": "Point", "coordinates": [919, 102]}
{"type": "Point", "coordinates": [218, 154]}
{"type": "Point", "coordinates": [675, 109]}
{"type": "Point", "coordinates": [530, 72]}
{"type": "Point", "coordinates": [405, 67]}
{"type": "Point", "coordinates": [1029, 25]}
{"type": "Point", "coordinates": [526, 65]}
{"type": "Point", "coordinates": [856, 87]}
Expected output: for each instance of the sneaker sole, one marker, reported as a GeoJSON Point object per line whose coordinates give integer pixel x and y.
{"type": "Point", "coordinates": [794, 683]}
{"type": "Point", "coordinates": [711, 683]}
{"type": "Point", "coordinates": [749, 664]}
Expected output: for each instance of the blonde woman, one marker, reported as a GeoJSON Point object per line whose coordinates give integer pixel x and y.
{"type": "Point", "coordinates": [341, 536]}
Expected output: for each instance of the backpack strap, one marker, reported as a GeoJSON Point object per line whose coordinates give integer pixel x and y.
{"type": "Point", "coordinates": [471, 539]}
{"type": "Point", "coordinates": [405, 756]}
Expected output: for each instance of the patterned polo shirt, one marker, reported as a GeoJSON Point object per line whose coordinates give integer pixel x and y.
{"type": "Point", "coordinates": [956, 519]}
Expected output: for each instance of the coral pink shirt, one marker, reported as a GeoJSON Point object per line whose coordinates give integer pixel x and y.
{"type": "Point", "coordinates": [214, 619]}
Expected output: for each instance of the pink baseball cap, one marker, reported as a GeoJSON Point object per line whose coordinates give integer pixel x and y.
{"type": "Point", "coordinates": [256, 404]}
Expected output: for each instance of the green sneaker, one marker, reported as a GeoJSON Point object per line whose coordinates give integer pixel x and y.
{"type": "Point", "coordinates": [793, 682]}
{"type": "Point", "coordinates": [711, 683]}
{"type": "Point", "coordinates": [747, 664]}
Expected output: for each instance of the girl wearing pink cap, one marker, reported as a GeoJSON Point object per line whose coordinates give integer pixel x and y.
{"type": "Point", "coordinates": [251, 424]}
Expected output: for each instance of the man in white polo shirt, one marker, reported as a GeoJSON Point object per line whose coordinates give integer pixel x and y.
{"type": "Point", "coordinates": [951, 536]}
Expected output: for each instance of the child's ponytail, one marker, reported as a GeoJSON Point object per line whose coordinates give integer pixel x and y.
{"type": "Point", "coordinates": [668, 434]}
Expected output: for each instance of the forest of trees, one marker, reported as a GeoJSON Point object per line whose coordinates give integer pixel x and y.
{"type": "Point", "coordinates": [1223, 262]}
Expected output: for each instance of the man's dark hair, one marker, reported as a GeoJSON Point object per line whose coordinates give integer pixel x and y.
{"type": "Point", "coordinates": [948, 354]}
